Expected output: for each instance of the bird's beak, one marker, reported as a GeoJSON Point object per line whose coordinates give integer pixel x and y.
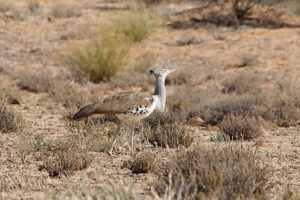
{"type": "Point", "coordinates": [172, 70]}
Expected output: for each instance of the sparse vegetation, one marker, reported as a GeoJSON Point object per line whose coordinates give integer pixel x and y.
{"type": "Point", "coordinates": [63, 10]}
{"type": "Point", "coordinates": [248, 60]}
{"type": "Point", "coordinates": [101, 58]}
{"type": "Point", "coordinates": [137, 25]}
{"type": "Point", "coordinates": [63, 91]}
{"type": "Point", "coordinates": [168, 136]}
{"type": "Point", "coordinates": [99, 190]}
{"type": "Point", "coordinates": [284, 106]}
{"type": "Point", "coordinates": [4, 6]}
{"type": "Point", "coordinates": [143, 163]}
{"type": "Point", "coordinates": [151, 2]}
{"type": "Point", "coordinates": [106, 54]}
{"type": "Point", "coordinates": [239, 127]}
{"type": "Point", "coordinates": [65, 163]}
{"type": "Point", "coordinates": [243, 83]}
{"type": "Point", "coordinates": [9, 121]}
{"type": "Point", "coordinates": [218, 173]}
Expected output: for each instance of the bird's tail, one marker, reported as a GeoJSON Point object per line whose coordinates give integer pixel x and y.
{"type": "Point", "coordinates": [85, 111]}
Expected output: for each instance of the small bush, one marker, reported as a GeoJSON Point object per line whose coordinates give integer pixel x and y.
{"type": "Point", "coordinates": [9, 92]}
{"type": "Point", "coordinates": [242, 83]}
{"type": "Point", "coordinates": [284, 107]}
{"type": "Point", "coordinates": [101, 58]}
{"type": "Point", "coordinates": [143, 163]}
{"type": "Point", "coordinates": [66, 163]}
{"type": "Point", "coordinates": [151, 2]}
{"type": "Point", "coordinates": [65, 11]}
{"type": "Point", "coordinates": [136, 25]}
{"type": "Point", "coordinates": [91, 189]}
{"type": "Point", "coordinates": [9, 121]}
{"type": "Point", "coordinates": [214, 112]}
{"type": "Point", "coordinates": [239, 127]}
{"type": "Point", "coordinates": [63, 91]}
{"type": "Point", "coordinates": [4, 6]}
{"type": "Point", "coordinates": [213, 173]}
{"type": "Point", "coordinates": [168, 135]}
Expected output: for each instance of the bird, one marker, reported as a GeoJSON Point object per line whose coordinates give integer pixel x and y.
{"type": "Point", "coordinates": [130, 106]}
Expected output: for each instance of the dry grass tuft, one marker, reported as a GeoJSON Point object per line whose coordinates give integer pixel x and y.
{"type": "Point", "coordinates": [168, 136]}
{"type": "Point", "coordinates": [66, 163]}
{"type": "Point", "coordinates": [143, 163]}
{"type": "Point", "coordinates": [239, 127]}
{"type": "Point", "coordinates": [151, 2]}
{"type": "Point", "coordinates": [106, 55]}
{"type": "Point", "coordinates": [65, 11]}
{"type": "Point", "coordinates": [290, 195]}
{"type": "Point", "coordinates": [213, 173]}
{"type": "Point", "coordinates": [62, 91]}
{"type": "Point", "coordinates": [9, 121]}
{"type": "Point", "coordinates": [100, 59]}
{"type": "Point", "coordinates": [243, 83]}
{"type": "Point", "coordinates": [22, 181]}
{"type": "Point", "coordinates": [4, 6]}
{"type": "Point", "coordinates": [91, 189]}
{"type": "Point", "coordinates": [284, 107]}
{"type": "Point", "coordinates": [213, 112]}
{"type": "Point", "coordinates": [137, 25]}
{"type": "Point", "coordinates": [9, 92]}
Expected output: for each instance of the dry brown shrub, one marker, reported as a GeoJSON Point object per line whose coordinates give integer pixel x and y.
{"type": "Point", "coordinates": [66, 163]}
{"type": "Point", "coordinates": [10, 182]}
{"type": "Point", "coordinates": [243, 83]}
{"type": "Point", "coordinates": [9, 120]}
{"type": "Point", "coordinates": [63, 91]}
{"type": "Point", "coordinates": [65, 11]}
{"type": "Point", "coordinates": [284, 106]}
{"type": "Point", "coordinates": [213, 173]}
{"type": "Point", "coordinates": [239, 127]}
{"type": "Point", "coordinates": [9, 92]}
{"type": "Point", "coordinates": [143, 163]}
{"type": "Point", "coordinates": [168, 136]}
{"type": "Point", "coordinates": [213, 112]}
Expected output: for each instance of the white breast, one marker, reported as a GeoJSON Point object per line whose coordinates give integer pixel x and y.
{"type": "Point", "coordinates": [139, 113]}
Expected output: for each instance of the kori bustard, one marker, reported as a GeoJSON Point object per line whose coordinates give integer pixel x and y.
{"type": "Point", "coordinates": [130, 106]}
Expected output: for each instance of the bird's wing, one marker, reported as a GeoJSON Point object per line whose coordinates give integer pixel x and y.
{"type": "Point", "coordinates": [116, 104]}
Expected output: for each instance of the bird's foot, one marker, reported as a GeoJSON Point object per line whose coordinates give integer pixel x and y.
{"type": "Point", "coordinates": [110, 152]}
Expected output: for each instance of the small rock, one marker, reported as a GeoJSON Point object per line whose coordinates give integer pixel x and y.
{"type": "Point", "coordinates": [51, 18]}
{"type": "Point", "coordinates": [196, 121]}
{"type": "Point", "coordinates": [211, 128]}
{"type": "Point", "coordinates": [93, 175]}
{"type": "Point", "coordinates": [268, 126]}
{"type": "Point", "coordinates": [261, 144]}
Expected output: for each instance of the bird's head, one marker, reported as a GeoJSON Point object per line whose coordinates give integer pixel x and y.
{"type": "Point", "coordinates": [161, 72]}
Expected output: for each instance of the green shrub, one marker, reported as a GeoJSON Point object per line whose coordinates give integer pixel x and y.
{"type": "Point", "coordinates": [100, 59]}
{"type": "Point", "coordinates": [137, 24]}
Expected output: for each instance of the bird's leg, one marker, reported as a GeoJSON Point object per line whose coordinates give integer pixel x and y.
{"type": "Point", "coordinates": [132, 142]}
{"type": "Point", "coordinates": [116, 133]}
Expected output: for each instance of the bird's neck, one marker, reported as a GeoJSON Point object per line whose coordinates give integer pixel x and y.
{"type": "Point", "coordinates": [160, 92]}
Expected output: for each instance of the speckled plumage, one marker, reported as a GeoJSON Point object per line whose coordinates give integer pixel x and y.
{"type": "Point", "coordinates": [130, 106]}
{"type": "Point", "coordinates": [120, 104]}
